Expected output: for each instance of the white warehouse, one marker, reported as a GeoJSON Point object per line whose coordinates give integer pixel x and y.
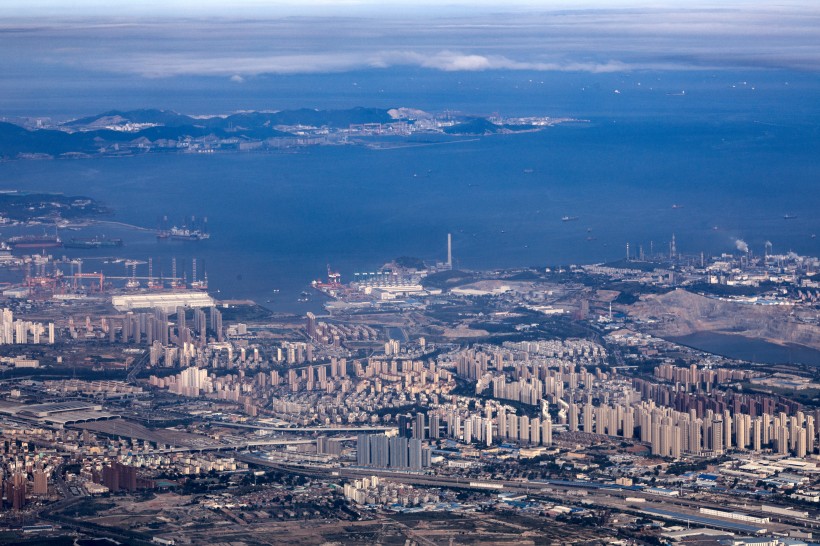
{"type": "Point", "coordinates": [167, 301]}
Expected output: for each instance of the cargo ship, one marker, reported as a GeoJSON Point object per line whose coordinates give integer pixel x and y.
{"type": "Point", "coordinates": [94, 242]}
{"type": "Point", "coordinates": [35, 241]}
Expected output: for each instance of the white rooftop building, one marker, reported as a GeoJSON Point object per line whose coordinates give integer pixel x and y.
{"type": "Point", "coordinates": [167, 301]}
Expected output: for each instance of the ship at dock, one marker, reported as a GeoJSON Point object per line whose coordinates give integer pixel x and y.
{"type": "Point", "coordinates": [92, 243]}
{"type": "Point", "coordinates": [35, 241]}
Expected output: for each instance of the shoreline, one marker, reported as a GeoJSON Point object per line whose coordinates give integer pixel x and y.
{"type": "Point", "coordinates": [120, 224]}
{"type": "Point", "coordinates": [289, 143]}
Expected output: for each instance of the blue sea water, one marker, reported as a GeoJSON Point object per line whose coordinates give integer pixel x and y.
{"type": "Point", "coordinates": [735, 160]}
{"type": "Point", "coordinates": [753, 350]}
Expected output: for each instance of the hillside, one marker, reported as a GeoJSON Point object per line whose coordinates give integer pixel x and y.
{"type": "Point", "coordinates": [680, 313]}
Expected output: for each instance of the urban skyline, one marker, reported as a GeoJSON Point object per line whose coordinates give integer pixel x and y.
{"type": "Point", "coordinates": [409, 273]}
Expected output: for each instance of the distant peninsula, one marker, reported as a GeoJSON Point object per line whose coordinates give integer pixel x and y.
{"type": "Point", "coordinates": [145, 131]}
{"type": "Point", "coordinates": [33, 208]}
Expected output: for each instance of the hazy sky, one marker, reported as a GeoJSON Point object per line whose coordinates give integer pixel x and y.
{"type": "Point", "coordinates": [49, 44]}
{"type": "Point", "coordinates": [281, 7]}
{"type": "Point", "coordinates": [454, 39]}
{"type": "Point", "coordinates": [335, 7]}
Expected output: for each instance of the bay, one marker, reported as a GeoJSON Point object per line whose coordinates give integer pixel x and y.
{"type": "Point", "coordinates": [753, 350]}
{"type": "Point", "coordinates": [733, 164]}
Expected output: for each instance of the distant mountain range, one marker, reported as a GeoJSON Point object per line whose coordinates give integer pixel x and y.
{"type": "Point", "coordinates": [139, 131]}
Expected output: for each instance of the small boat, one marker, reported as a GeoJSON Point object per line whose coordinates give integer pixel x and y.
{"type": "Point", "coordinates": [789, 216]}
{"type": "Point", "coordinates": [568, 218]}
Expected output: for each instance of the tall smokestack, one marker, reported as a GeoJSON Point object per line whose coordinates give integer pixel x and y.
{"type": "Point", "coordinates": [450, 250]}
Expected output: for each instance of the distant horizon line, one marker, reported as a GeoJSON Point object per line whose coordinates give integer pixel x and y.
{"type": "Point", "coordinates": [335, 8]}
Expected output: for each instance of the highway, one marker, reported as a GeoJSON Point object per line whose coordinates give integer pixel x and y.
{"type": "Point", "coordinates": [232, 447]}
{"type": "Point", "coordinates": [356, 428]}
{"type": "Point", "coordinates": [598, 495]}
{"type": "Point", "coordinates": [137, 368]}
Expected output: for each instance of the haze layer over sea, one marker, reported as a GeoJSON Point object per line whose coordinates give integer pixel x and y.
{"type": "Point", "coordinates": [733, 151]}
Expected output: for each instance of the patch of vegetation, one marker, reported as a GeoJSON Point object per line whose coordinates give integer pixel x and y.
{"type": "Point", "coordinates": [680, 467]}
{"type": "Point", "coordinates": [626, 299]}
{"type": "Point", "coordinates": [633, 264]}
{"type": "Point", "coordinates": [65, 372]}
{"type": "Point", "coordinates": [23, 206]}
{"type": "Point", "coordinates": [562, 327]}
{"type": "Point", "coordinates": [9, 540]}
{"type": "Point", "coordinates": [411, 409]}
{"type": "Point", "coordinates": [634, 288]}
{"type": "Point", "coordinates": [409, 262]}
{"type": "Point", "coordinates": [530, 275]}
{"type": "Point", "coordinates": [87, 508]}
{"type": "Point", "coordinates": [724, 290]}
{"type": "Point", "coordinates": [448, 279]}
{"type": "Point", "coordinates": [245, 313]}
{"type": "Point", "coordinates": [467, 388]}
{"type": "Point", "coordinates": [481, 126]}
{"type": "Point", "coordinates": [808, 397]}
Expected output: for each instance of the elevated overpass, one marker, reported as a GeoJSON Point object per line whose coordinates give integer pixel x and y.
{"type": "Point", "coordinates": [275, 428]}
